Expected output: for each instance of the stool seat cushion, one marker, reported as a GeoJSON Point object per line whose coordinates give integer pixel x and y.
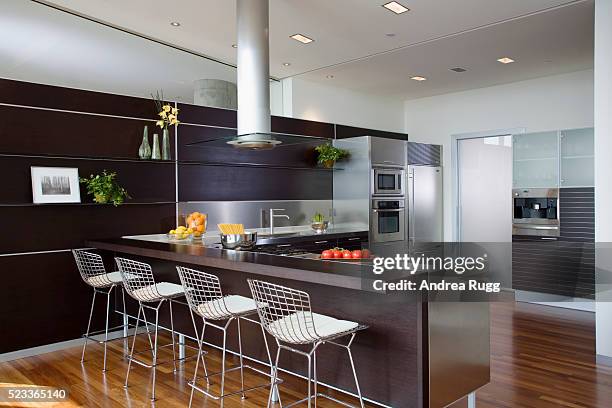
{"type": "Point", "coordinates": [233, 305]}
{"type": "Point", "coordinates": [104, 279]}
{"type": "Point", "coordinates": [300, 328]}
{"type": "Point", "coordinates": [159, 291]}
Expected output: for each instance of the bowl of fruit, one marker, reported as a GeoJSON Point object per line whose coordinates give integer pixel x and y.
{"type": "Point", "coordinates": [197, 222]}
{"type": "Point", "coordinates": [181, 233]}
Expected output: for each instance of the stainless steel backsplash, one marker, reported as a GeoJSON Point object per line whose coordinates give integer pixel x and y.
{"type": "Point", "coordinates": [254, 214]}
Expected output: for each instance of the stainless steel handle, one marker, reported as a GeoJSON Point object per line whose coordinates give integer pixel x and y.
{"type": "Point", "coordinates": [321, 242]}
{"type": "Point", "coordinates": [549, 238]}
{"type": "Point", "coordinates": [536, 227]}
{"type": "Point", "coordinates": [354, 239]}
{"type": "Point", "coordinates": [283, 245]}
{"type": "Point", "coordinates": [377, 211]}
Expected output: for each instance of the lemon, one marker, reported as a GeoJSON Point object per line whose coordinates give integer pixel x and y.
{"type": "Point", "coordinates": [172, 232]}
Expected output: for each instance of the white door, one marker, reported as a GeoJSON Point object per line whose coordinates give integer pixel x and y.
{"type": "Point", "coordinates": [484, 189]}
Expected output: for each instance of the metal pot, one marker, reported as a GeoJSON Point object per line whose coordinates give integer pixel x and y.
{"type": "Point", "coordinates": [248, 240]}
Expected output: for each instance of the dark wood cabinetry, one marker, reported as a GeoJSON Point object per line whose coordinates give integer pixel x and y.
{"type": "Point", "coordinates": [565, 265]}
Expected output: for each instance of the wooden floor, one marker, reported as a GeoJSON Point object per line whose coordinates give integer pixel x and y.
{"type": "Point", "coordinates": [541, 357]}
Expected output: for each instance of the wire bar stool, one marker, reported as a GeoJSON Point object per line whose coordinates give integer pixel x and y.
{"type": "Point", "coordinates": [140, 284]}
{"type": "Point", "coordinates": [286, 314]}
{"type": "Point", "coordinates": [92, 270]}
{"type": "Point", "coordinates": [206, 299]}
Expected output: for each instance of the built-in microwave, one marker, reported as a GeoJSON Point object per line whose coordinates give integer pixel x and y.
{"type": "Point", "coordinates": [388, 220]}
{"type": "Point", "coordinates": [388, 181]}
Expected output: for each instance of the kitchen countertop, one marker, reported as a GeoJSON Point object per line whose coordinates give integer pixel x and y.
{"type": "Point", "coordinates": [282, 235]}
{"type": "Point", "coordinates": [338, 274]}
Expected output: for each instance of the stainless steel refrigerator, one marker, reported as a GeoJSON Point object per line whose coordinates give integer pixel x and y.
{"type": "Point", "coordinates": [425, 205]}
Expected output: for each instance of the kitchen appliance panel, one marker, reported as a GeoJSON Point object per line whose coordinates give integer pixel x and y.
{"type": "Point", "coordinates": [388, 152]}
{"type": "Point", "coordinates": [388, 181]}
{"type": "Point", "coordinates": [388, 220]}
{"type": "Point", "coordinates": [535, 212]}
{"type": "Point", "coordinates": [425, 212]}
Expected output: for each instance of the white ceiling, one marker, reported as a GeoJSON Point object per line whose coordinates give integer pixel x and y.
{"type": "Point", "coordinates": [351, 41]}
{"type": "Point", "coordinates": [554, 42]}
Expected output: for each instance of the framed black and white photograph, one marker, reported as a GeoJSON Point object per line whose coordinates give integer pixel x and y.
{"type": "Point", "coordinates": [55, 185]}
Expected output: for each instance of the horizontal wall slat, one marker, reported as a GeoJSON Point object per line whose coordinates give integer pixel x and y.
{"type": "Point", "coordinates": [145, 181]}
{"type": "Point", "coordinates": [302, 155]}
{"type": "Point", "coordinates": [49, 227]}
{"type": "Point", "coordinates": [43, 300]}
{"type": "Point", "coordinates": [40, 132]}
{"type": "Point", "coordinates": [56, 97]}
{"type": "Point", "coordinates": [226, 183]}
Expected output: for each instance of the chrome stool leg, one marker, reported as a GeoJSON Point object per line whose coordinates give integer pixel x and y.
{"type": "Point", "coordinates": [274, 376]}
{"type": "Point", "coordinates": [127, 375]}
{"type": "Point", "coordinates": [314, 369]}
{"type": "Point", "coordinates": [106, 326]}
{"type": "Point", "coordinates": [241, 360]}
{"type": "Point", "coordinates": [155, 349]}
{"type": "Point", "coordinates": [93, 302]}
{"type": "Point", "coordinates": [350, 354]}
{"type": "Point", "coordinates": [172, 334]}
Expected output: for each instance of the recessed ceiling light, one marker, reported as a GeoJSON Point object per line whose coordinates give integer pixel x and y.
{"type": "Point", "coordinates": [175, 24]}
{"type": "Point", "coordinates": [234, 45]}
{"type": "Point", "coordinates": [506, 60]}
{"type": "Point", "coordinates": [458, 69]}
{"type": "Point", "coordinates": [302, 38]}
{"type": "Point", "coordinates": [418, 78]}
{"type": "Point", "coordinates": [390, 35]}
{"type": "Point", "coordinates": [286, 64]}
{"type": "Point", "coordinates": [395, 7]}
{"type": "Point", "coordinates": [329, 77]}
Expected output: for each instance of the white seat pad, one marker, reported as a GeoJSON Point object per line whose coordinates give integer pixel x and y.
{"type": "Point", "coordinates": [162, 290]}
{"type": "Point", "coordinates": [104, 279]}
{"type": "Point", "coordinates": [227, 306]}
{"type": "Point", "coordinates": [298, 327]}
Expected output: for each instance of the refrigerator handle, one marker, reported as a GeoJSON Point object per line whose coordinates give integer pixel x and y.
{"type": "Point", "coordinates": [411, 215]}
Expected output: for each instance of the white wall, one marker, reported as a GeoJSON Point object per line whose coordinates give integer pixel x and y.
{"type": "Point", "coordinates": [603, 175]}
{"type": "Point", "coordinates": [549, 103]}
{"type": "Point", "coordinates": [328, 103]}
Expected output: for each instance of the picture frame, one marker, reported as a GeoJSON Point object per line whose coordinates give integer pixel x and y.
{"type": "Point", "coordinates": [55, 185]}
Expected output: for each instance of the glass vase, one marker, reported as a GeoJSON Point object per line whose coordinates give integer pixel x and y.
{"type": "Point", "coordinates": [144, 151]}
{"type": "Point", "coordinates": [166, 155]}
{"type": "Point", "coordinates": [155, 154]}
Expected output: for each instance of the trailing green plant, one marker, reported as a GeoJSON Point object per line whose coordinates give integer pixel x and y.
{"type": "Point", "coordinates": [318, 218]}
{"type": "Point", "coordinates": [329, 153]}
{"type": "Point", "coordinates": [105, 189]}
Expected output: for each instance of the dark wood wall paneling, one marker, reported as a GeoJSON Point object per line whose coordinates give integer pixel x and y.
{"type": "Point", "coordinates": [43, 297]}
{"type": "Point", "coordinates": [43, 301]}
{"type": "Point", "coordinates": [343, 132]}
{"type": "Point", "coordinates": [208, 172]}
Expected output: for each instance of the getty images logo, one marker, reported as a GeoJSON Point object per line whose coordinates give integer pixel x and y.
{"type": "Point", "coordinates": [429, 263]}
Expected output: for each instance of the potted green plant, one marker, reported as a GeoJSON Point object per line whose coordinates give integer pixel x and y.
{"type": "Point", "coordinates": [329, 155]}
{"type": "Point", "coordinates": [105, 189]}
{"type": "Point", "coordinates": [319, 224]}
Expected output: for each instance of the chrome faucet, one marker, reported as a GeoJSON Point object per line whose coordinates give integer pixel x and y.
{"type": "Point", "coordinates": [272, 216]}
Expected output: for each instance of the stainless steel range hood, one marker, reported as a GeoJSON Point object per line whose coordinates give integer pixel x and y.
{"type": "Point", "coordinates": [254, 118]}
{"type": "Point", "coordinates": [254, 128]}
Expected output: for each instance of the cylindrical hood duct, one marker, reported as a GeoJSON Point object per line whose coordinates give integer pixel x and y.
{"type": "Point", "coordinates": [253, 67]}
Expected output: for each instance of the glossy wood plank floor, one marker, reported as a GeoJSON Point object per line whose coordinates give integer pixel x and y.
{"type": "Point", "coordinates": [541, 357]}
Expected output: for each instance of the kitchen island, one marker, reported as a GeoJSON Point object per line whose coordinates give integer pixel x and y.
{"type": "Point", "coordinates": [414, 354]}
